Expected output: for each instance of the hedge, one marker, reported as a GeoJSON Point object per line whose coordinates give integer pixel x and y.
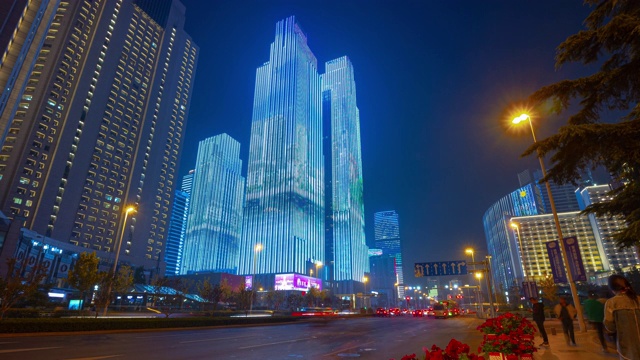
{"type": "Point", "coordinates": [12, 326]}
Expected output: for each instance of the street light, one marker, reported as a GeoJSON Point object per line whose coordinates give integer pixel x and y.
{"type": "Point", "coordinates": [365, 280]}
{"type": "Point", "coordinates": [256, 252]}
{"type": "Point", "coordinates": [572, 285]}
{"type": "Point", "coordinates": [318, 265]}
{"type": "Point", "coordinates": [472, 253]}
{"type": "Point", "coordinates": [524, 268]}
{"type": "Point", "coordinates": [128, 210]}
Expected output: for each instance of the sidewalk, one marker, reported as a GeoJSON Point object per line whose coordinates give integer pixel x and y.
{"type": "Point", "coordinates": [588, 346]}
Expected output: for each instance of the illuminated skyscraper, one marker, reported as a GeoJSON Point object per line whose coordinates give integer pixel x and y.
{"type": "Point", "coordinates": [178, 227]}
{"type": "Point", "coordinates": [387, 233]}
{"type": "Point", "coordinates": [93, 108]}
{"type": "Point", "coordinates": [212, 239]}
{"type": "Point", "coordinates": [343, 172]}
{"type": "Point", "coordinates": [284, 208]}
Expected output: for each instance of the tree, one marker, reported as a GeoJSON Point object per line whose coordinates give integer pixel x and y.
{"type": "Point", "coordinates": [243, 298]}
{"type": "Point", "coordinates": [214, 293]}
{"type": "Point", "coordinates": [274, 299]}
{"type": "Point", "coordinates": [85, 275]}
{"type": "Point", "coordinates": [139, 276]}
{"type": "Point", "coordinates": [591, 137]}
{"type": "Point", "coordinates": [18, 284]}
{"type": "Point", "coordinates": [549, 289]}
{"type": "Point", "coordinates": [123, 281]}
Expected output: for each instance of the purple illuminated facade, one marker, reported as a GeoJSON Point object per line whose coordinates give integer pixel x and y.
{"type": "Point", "coordinates": [296, 282]}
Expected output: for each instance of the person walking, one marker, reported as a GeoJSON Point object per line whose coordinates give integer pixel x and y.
{"type": "Point", "coordinates": [538, 317]}
{"type": "Point", "coordinates": [566, 313]}
{"type": "Point", "coordinates": [595, 313]}
{"type": "Point", "coordinates": [622, 316]}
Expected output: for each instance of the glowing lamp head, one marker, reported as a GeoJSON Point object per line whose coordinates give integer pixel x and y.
{"type": "Point", "coordinates": [469, 251]}
{"type": "Point", "coordinates": [521, 118]}
{"type": "Point", "coordinates": [258, 247]}
{"type": "Point", "coordinates": [130, 209]}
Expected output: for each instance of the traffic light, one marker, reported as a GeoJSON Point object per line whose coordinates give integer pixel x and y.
{"type": "Point", "coordinates": [449, 297]}
{"type": "Point", "coordinates": [459, 296]}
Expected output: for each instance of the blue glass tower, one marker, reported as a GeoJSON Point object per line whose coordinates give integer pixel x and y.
{"type": "Point", "coordinates": [178, 227]}
{"type": "Point", "coordinates": [343, 166]}
{"type": "Point", "coordinates": [284, 208]}
{"type": "Point", "coordinates": [506, 265]}
{"type": "Point", "coordinates": [212, 241]}
{"type": "Point", "coordinates": [387, 234]}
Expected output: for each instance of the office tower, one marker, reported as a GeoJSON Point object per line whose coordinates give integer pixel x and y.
{"type": "Point", "coordinates": [383, 277]}
{"type": "Point", "coordinates": [343, 170]}
{"type": "Point", "coordinates": [212, 239]}
{"type": "Point", "coordinates": [387, 236]}
{"type": "Point", "coordinates": [604, 228]}
{"type": "Point", "coordinates": [284, 208]}
{"type": "Point", "coordinates": [501, 243]}
{"type": "Point", "coordinates": [178, 227]}
{"type": "Point", "coordinates": [93, 120]}
{"type": "Point", "coordinates": [175, 237]}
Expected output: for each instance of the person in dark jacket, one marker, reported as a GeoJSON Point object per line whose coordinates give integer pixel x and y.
{"type": "Point", "coordinates": [538, 317]}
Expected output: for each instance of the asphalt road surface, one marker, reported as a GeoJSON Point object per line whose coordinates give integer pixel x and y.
{"type": "Point", "coordinates": [366, 338]}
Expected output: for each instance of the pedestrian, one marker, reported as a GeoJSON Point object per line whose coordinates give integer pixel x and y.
{"type": "Point", "coordinates": [595, 313]}
{"type": "Point", "coordinates": [566, 312]}
{"type": "Point", "coordinates": [622, 316]}
{"type": "Point", "coordinates": [538, 317]}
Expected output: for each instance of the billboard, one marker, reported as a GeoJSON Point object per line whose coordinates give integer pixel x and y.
{"type": "Point", "coordinates": [296, 282]}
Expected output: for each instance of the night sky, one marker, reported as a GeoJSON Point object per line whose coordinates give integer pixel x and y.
{"type": "Point", "coordinates": [433, 79]}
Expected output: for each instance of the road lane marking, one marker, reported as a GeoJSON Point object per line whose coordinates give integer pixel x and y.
{"type": "Point", "coordinates": [97, 357]}
{"type": "Point", "coordinates": [349, 348]}
{"type": "Point", "coordinates": [31, 349]}
{"type": "Point", "coordinates": [215, 339]}
{"type": "Point", "coordinates": [274, 343]}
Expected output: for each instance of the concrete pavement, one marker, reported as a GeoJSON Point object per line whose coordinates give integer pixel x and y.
{"type": "Point", "coordinates": [587, 344]}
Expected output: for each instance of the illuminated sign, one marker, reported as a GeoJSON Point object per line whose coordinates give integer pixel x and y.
{"type": "Point", "coordinates": [248, 282]}
{"type": "Point", "coordinates": [375, 252]}
{"type": "Point", "coordinates": [296, 282]}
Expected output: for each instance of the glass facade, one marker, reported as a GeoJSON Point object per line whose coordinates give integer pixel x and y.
{"type": "Point", "coordinates": [212, 238]}
{"type": "Point", "coordinates": [284, 208]}
{"type": "Point", "coordinates": [340, 111]}
{"type": "Point", "coordinates": [505, 265]}
{"type": "Point", "coordinates": [387, 236]}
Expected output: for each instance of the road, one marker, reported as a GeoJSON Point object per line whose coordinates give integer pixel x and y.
{"type": "Point", "coordinates": [366, 338]}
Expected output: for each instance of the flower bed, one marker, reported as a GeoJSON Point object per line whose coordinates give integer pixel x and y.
{"type": "Point", "coordinates": [507, 337]}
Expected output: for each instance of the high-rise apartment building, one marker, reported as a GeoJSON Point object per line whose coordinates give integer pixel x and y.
{"type": "Point", "coordinates": [387, 236]}
{"type": "Point", "coordinates": [93, 110]}
{"type": "Point", "coordinates": [536, 230]}
{"type": "Point", "coordinates": [284, 208]}
{"type": "Point", "coordinates": [343, 171]}
{"type": "Point", "coordinates": [214, 224]}
{"type": "Point", "coordinates": [604, 227]}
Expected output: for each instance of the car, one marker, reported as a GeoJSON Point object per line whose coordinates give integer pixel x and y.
{"type": "Point", "coordinates": [455, 311]}
{"type": "Point", "coordinates": [395, 312]}
{"type": "Point", "coordinates": [418, 313]}
{"type": "Point", "coordinates": [440, 311]}
{"type": "Point", "coordinates": [382, 312]}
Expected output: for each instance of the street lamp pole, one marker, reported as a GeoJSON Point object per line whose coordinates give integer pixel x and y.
{"type": "Point", "coordinates": [365, 280]}
{"type": "Point", "coordinates": [473, 260]}
{"type": "Point", "coordinates": [256, 252]}
{"type": "Point", "coordinates": [572, 285]}
{"type": "Point", "coordinates": [115, 262]}
{"type": "Point", "coordinates": [522, 261]}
